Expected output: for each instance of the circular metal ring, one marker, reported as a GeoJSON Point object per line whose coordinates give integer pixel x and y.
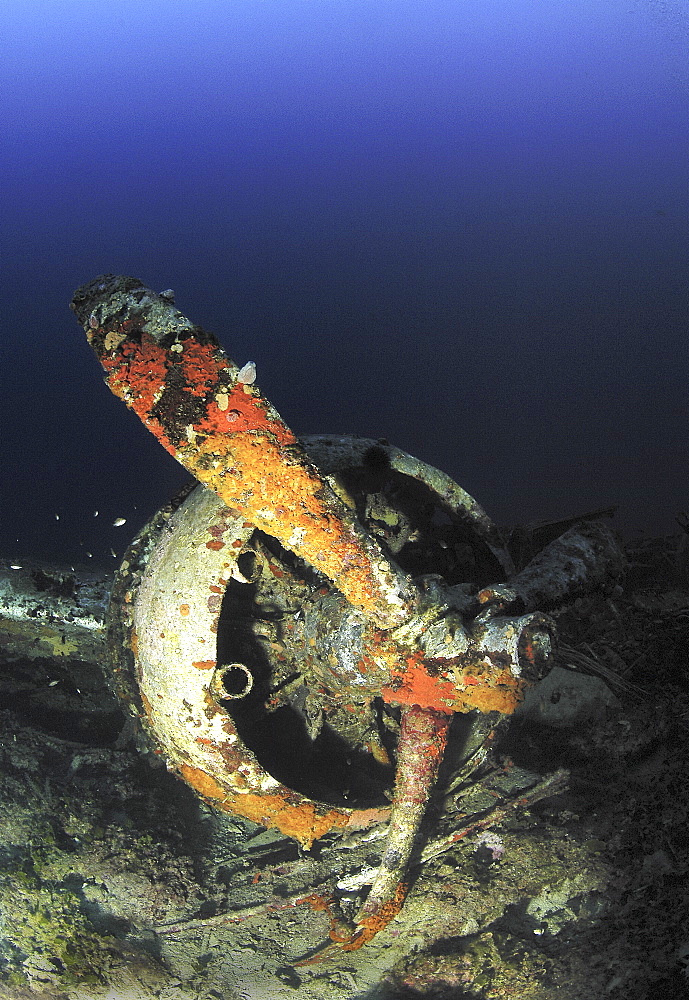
{"type": "Point", "coordinates": [199, 704]}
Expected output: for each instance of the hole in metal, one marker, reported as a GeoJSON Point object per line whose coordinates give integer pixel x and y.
{"type": "Point", "coordinates": [230, 681]}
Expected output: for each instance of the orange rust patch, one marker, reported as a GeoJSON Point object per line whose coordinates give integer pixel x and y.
{"type": "Point", "coordinates": [247, 411]}
{"type": "Point", "coordinates": [204, 664]}
{"type": "Point", "coordinates": [302, 821]}
{"type": "Point", "coordinates": [216, 545]}
{"type": "Point", "coordinates": [254, 468]}
{"type": "Point", "coordinates": [487, 691]}
{"type": "Point", "coordinates": [204, 784]}
{"type": "Point", "coordinates": [184, 610]}
{"type": "Point", "coordinates": [201, 366]}
{"type": "Point", "coordinates": [503, 694]}
{"type": "Point", "coordinates": [374, 922]}
{"type": "Point", "coordinates": [136, 373]}
{"type": "Point", "coordinates": [415, 686]}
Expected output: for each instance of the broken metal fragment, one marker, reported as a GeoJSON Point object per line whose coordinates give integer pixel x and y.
{"type": "Point", "coordinates": [586, 557]}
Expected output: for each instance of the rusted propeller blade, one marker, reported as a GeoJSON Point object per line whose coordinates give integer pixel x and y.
{"type": "Point", "coordinates": [212, 418]}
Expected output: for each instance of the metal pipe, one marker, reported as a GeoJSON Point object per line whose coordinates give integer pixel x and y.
{"type": "Point", "coordinates": [586, 557]}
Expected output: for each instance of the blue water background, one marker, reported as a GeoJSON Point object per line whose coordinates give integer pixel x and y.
{"type": "Point", "coordinates": [461, 226]}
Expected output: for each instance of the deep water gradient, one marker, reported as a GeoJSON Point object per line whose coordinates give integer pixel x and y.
{"type": "Point", "coordinates": [459, 226]}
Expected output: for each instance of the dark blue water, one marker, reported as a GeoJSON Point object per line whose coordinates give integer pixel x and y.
{"type": "Point", "coordinates": [460, 226]}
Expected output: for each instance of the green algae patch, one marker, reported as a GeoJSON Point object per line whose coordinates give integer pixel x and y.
{"type": "Point", "coordinates": [47, 942]}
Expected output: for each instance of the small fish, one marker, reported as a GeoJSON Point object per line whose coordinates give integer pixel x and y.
{"type": "Point", "coordinates": [119, 521]}
{"type": "Point", "coordinates": [16, 566]}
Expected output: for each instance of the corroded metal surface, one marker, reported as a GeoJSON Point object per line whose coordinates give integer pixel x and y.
{"type": "Point", "coordinates": [171, 599]}
{"type": "Point", "coordinates": [175, 617]}
{"type": "Point", "coordinates": [338, 454]}
{"type": "Point", "coordinates": [425, 732]}
{"type": "Point", "coordinates": [212, 418]}
{"type": "Point", "coordinates": [583, 558]}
